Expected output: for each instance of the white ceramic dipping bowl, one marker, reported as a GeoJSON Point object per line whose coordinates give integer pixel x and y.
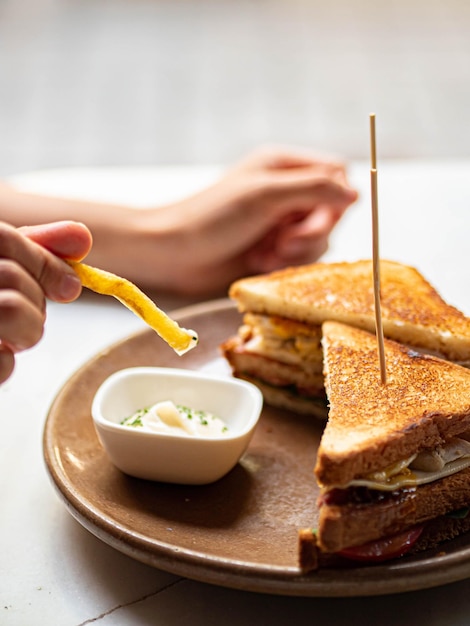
{"type": "Point", "coordinates": [169, 457]}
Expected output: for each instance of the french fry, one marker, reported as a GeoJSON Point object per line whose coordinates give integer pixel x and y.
{"type": "Point", "coordinates": [108, 284]}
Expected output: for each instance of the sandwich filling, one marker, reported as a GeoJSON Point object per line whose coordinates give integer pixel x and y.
{"type": "Point", "coordinates": [284, 358]}
{"type": "Point", "coordinates": [419, 469]}
{"type": "Point", "coordinates": [282, 339]}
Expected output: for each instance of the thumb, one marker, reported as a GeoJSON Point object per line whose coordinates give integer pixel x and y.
{"type": "Point", "coordinates": [66, 239]}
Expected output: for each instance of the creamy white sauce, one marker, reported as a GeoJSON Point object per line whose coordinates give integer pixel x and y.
{"type": "Point", "coordinates": [193, 341]}
{"type": "Point", "coordinates": [167, 417]}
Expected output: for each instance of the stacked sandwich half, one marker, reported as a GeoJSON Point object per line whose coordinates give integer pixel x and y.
{"type": "Point", "coordinates": [393, 464]}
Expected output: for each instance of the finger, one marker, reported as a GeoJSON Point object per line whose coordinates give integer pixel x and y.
{"type": "Point", "coordinates": [308, 189]}
{"type": "Point", "coordinates": [57, 279]}
{"type": "Point", "coordinates": [14, 277]}
{"type": "Point", "coordinates": [21, 323]}
{"type": "Point", "coordinates": [7, 363]}
{"type": "Point", "coordinates": [307, 241]}
{"type": "Point", "coordinates": [284, 157]}
{"type": "Point", "coordinates": [260, 262]}
{"type": "Point", "coordinates": [295, 239]}
{"type": "Point", "coordinates": [278, 199]}
{"type": "Point", "coordinates": [67, 239]}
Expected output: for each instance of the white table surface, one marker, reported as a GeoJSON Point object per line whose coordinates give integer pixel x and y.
{"type": "Point", "coordinates": [52, 571]}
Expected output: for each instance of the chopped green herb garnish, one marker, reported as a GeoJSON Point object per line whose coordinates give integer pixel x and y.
{"type": "Point", "coordinates": [201, 417]}
{"type": "Point", "coordinates": [136, 418]}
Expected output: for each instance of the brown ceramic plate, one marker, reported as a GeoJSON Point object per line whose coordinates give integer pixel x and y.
{"type": "Point", "coordinates": [239, 532]}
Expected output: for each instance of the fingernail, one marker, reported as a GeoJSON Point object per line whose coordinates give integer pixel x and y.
{"type": "Point", "coordinates": [70, 286]}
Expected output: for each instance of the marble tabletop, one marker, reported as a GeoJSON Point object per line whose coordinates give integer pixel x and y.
{"type": "Point", "coordinates": [52, 570]}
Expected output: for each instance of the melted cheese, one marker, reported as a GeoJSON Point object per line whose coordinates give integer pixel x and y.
{"type": "Point", "coordinates": [280, 339]}
{"type": "Point", "coordinates": [409, 478]}
{"type": "Point", "coordinates": [452, 457]}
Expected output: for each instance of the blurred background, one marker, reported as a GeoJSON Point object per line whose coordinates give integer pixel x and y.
{"type": "Point", "coordinates": [149, 82]}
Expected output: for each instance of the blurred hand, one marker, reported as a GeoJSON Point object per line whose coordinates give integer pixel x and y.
{"type": "Point", "coordinates": [275, 208]}
{"type": "Point", "coordinates": [30, 273]}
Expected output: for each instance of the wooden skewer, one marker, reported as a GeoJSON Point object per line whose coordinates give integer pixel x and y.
{"type": "Point", "coordinates": [375, 252]}
{"type": "Point", "coordinates": [373, 150]}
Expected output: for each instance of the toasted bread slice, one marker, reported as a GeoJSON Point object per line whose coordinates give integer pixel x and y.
{"type": "Point", "coordinates": [350, 524]}
{"type": "Point", "coordinates": [413, 312]}
{"type": "Point", "coordinates": [371, 425]}
{"type": "Point", "coordinates": [435, 532]}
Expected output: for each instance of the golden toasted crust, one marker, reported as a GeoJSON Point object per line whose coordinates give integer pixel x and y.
{"type": "Point", "coordinates": [307, 550]}
{"type": "Point", "coordinates": [425, 401]}
{"type": "Point", "coordinates": [412, 310]}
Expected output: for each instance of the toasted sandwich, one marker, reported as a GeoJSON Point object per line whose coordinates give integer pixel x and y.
{"type": "Point", "coordinates": [278, 346]}
{"type": "Point", "coordinates": [393, 464]}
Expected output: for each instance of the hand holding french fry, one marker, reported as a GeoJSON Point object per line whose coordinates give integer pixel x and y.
{"type": "Point", "coordinates": [106, 283]}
